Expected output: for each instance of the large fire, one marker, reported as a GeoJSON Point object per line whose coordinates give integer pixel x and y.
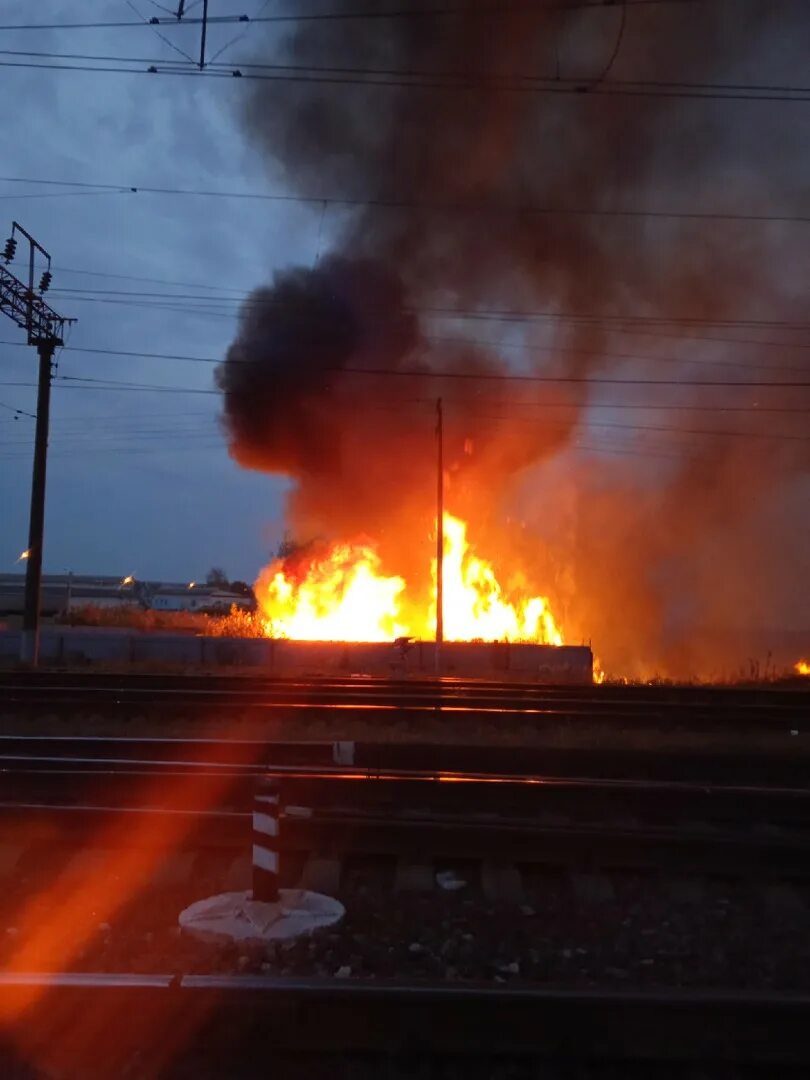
{"type": "Point", "coordinates": [342, 594]}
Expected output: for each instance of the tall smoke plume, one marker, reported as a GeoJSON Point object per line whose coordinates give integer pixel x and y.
{"type": "Point", "coordinates": [441, 195]}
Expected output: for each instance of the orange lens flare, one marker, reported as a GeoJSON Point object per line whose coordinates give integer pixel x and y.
{"type": "Point", "coordinates": [57, 924]}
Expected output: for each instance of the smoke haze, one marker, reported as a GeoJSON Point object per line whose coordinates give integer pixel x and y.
{"type": "Point", "coordinates": [442, 256]}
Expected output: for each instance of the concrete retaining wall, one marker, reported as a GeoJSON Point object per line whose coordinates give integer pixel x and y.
{"type": "Point", "coordinates": [86, 645]}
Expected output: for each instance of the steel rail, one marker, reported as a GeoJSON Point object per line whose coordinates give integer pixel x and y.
{"type": "Point", "coordinates": [353, 988]}
{"type": "Point", "coordinates": [246, 1015]}
{"type": "Point", "coordinates": [780, 770]}
{"type": "Point", "coordinates": [788, 722]}
{"type": "Point", "coordinates": [370, 687]}
{"type": "Point", "coordinates": [179, 767]}
{"type": "Point", "coordinates": [359, 681]}
{"type": "Point", "coordinates": [537, 693]}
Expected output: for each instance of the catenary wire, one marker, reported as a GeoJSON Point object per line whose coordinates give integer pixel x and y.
{"type": "Point", "coordinates": [580, 84]}
{"type": "Point", "coordinates": [562, 351]}
{"type": "Point", "coordinates": [504, 314]}
{"type": "Point", "coordinates": [411, 373]}
{"type": "Point", "coordinates": [372, 13]}
{"type": "Point", "coordinates": [603, 90]}
{"type": "Point", "coordinates": [398, 203]}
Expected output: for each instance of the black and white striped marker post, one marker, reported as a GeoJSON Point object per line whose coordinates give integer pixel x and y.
{"type": "Point", "coordinates": [266, 840]}
{"type": "Point", "coordinates": [294, 912]}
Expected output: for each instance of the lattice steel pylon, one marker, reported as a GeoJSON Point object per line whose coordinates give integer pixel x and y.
{"type": "Point", "coordinates": [45, 330]}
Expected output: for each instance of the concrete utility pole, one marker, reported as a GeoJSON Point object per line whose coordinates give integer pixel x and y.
{"type": "Point", "coordinates": [45, 330]}
{"type": "Point", "coordinates": [439, 534]}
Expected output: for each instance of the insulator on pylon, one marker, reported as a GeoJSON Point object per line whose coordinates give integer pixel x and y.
{"type": "Point", "coordinates": [10, 249]}
{"type": "Point", "coordinates": [45, 281]}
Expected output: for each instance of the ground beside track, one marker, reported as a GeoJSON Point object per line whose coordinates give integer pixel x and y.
{"type": "Point", "coordinates": [756, 719]}
{"type": "Point", "coordinates": [567, 929]}
{"type": "Point", "coordinates": [206, 722]}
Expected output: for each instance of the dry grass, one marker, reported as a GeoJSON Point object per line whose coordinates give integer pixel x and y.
{"type": "Point", "coordinates": [238, 623]}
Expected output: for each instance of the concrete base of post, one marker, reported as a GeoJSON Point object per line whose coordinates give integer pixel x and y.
{"type": "Point", "coordinates": [237, 917]}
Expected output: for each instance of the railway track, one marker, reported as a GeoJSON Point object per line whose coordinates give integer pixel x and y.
{"type": "Point", "coordinates": [205, 1026]}
{"type": "Point", "coordinates": [412, 685]}
{"type": "Point", "coordinates": [457, 706]}
{"type": "Point", "coordinates": [19, 752]}
{"type": "Point", "coordinates": [366, 817]}
{"type": "Point", "coordinates": [352, 799]}
{"type": "Point", "coordinates": [387, 824]}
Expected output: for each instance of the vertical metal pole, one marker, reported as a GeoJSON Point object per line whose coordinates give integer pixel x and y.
{"type": "Point", "coordinates": [439, 534]}
{"type": "Point", "coordinates": [29, 644]}
{"type": "Point", "coordinates": [30, 307]}
{"type": "Point", "coordinates": [266, 840]}
{"type": "Point", "coordinates": [204, 31]}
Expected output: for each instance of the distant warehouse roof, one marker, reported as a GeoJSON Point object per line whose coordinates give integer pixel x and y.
{"type": "Point", "coordinates": [83, 592]}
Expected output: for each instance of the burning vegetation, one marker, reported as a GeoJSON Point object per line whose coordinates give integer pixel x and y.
{"type": "Point", "coordinates": [502, 241]}
{"type": "Point", "coordinates": [338, 592]}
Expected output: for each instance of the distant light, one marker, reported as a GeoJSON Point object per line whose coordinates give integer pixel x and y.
{"type": "Point", "coordinates": [191, 584]}
{"type": "Point", "coordinates": [24, 555]}
{"type": "Point", "coordinates": [128, 580]}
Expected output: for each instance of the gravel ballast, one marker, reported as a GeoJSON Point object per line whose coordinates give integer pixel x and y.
{"type": "Point", "coordinates": [633, 930]}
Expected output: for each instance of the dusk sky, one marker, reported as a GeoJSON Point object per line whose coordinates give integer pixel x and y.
{"type": "Point", "coordinates": [138, 482]}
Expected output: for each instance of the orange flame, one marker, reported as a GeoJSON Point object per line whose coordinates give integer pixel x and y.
{"type": "Point", "coordinates": [343, 595]}
{"type": "Point", "coordinates": [802, 667]}
{"type": "Point", "coordinates": [474, 604]}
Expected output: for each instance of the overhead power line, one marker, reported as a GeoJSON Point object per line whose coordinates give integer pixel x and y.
{"type": "Point", "coordinates": [488, 377]}
{"type": "Point", "coordinates": [597, 380]}
{"type": "Point", "coordinates": [714, 339]}
{"type": "Point", "coordinates": [195, 431]}
{"type": "Point", "coordinates": [113, 421]}
{"type": "Point", "coordinates": [506, 314]}
{"type": "Point", "coordinates": [647, 453]}
{"type": "Point", "coordinates": [148, 280]}
{"type": "Point", "coordinates": [493, 346]}
{"type": "Point", "coordinates": [416, 77]}
{"type": "Point", "coordinates": [217, 308]}
{"type": "Point", "coordinates": [17, 412]}
{"type": "Point", "coordinates": [169, 439]}
{"type": "Point", "coordinates": [495, 9]}
{"type": "Point", "coordinates": [403, 204]}
{"type": "Point", "coordinates": [799, 95]}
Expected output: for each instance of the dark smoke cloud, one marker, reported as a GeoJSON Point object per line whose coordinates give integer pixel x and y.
{"type": "Point", "coordinates": [295, 340]}
{"type": "Point", "coordinates": [451, 180]}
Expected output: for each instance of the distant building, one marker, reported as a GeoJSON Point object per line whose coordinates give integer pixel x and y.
{"type": "Point", "coordinates": [69, 592]}
{"type": "Point", "coordinates": [61, 592]}
{"type": "Point", "coordinates": [88, 596]}
{"type": "Point", "coordinates": [200, 598]}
